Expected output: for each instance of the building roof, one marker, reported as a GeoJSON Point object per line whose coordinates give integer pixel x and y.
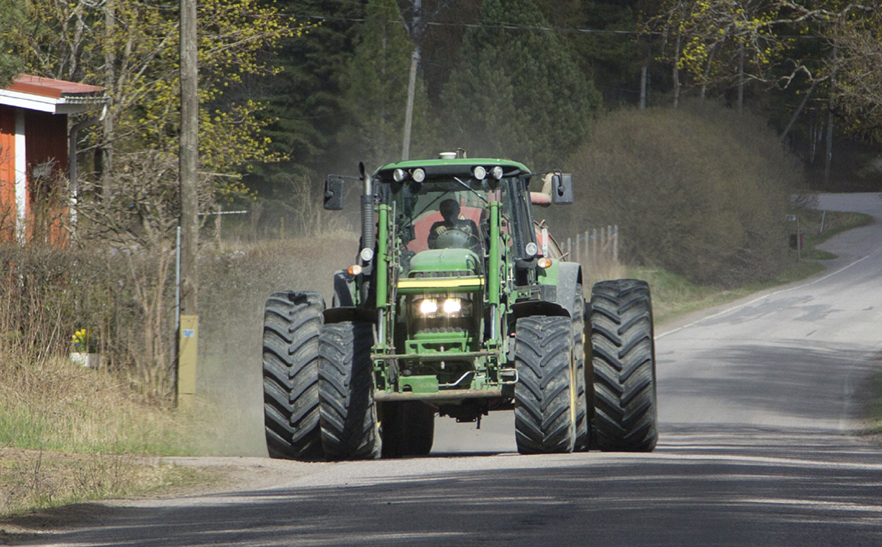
{"type": "Point", "coordinates": [53, 96]}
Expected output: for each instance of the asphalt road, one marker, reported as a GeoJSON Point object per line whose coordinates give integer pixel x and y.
{"type": "Point", "coordinates": [757, 405]}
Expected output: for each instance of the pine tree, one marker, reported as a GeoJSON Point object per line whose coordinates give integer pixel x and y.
{"type": "Point", "coordinates": [518, 92]}
{"type": "Point", "coordinates": [375, 90]}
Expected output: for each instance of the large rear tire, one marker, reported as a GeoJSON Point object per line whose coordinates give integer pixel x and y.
{"type": "Point", "coordinates": [346, 390]}
{"type": "Point", "coordinates": [408, 429]}
{"type": "Point", "coordinates": [623, 357]}
{"type": "Point", "coordinates": [545, 417]}
{"type": "Point", "coordinates": [291, 327]}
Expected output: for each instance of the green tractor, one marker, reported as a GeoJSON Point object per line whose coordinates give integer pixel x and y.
{"type": "Point", "coordinates": [459, 304]}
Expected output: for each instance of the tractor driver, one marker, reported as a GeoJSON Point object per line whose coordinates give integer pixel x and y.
{"type": "Point", "coordinates": [449, 210]}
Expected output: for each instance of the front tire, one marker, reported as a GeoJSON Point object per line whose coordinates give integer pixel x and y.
{"type": "Point", "coordinates": [349, 428]}
{"type": "Point", "coordinates": [545, 417]}
{"type": "Point", "coordinates": [623, 357]}
{"type": "Point", "coordinates": [291, 328]}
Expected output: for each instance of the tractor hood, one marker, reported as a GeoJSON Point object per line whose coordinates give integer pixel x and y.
{"type": "Point", "coordinates": [445, 260]}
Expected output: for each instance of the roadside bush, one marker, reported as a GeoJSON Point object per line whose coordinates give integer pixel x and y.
{"type": "Point", "coordinates": [700, 191]}
{"type": "Point", "coordinates": [121, 298]}
{"type": "Point", "coordinates": [125, 299]}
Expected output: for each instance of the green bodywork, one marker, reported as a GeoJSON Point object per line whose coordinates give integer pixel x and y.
{"type": "Point", "coordinates": [436, 356]}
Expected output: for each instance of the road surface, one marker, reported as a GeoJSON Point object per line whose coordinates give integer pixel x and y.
{"type": "Point", "coordinates": [758, 404]}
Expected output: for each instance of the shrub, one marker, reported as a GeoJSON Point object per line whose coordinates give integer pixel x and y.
{"type": "Point", "coordinates": [123, 299]}
{"type": "Point", "coordinates": [700, 191]}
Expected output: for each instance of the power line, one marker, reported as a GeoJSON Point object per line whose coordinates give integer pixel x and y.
{"type": "Point", "coordinates": [492, 25]}
{"type": "Point", "coordinates": [505, 26]}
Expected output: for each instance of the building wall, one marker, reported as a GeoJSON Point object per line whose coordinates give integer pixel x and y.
{"type": "Point", "coordinates": [46, 136]}
{"type": "Point", "coordinates": [7, 172]}
{"type": "Point", "coordinates": [46, 153]}
{"type": "Point", "coordinates": [45, 144]}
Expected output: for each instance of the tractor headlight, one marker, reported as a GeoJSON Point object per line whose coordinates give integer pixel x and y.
{"type": "Point", "coordinates": [428, 306]}
{"type": "Point", "coordinates": [479, 172]}
{"type": "Point", "coordinates": [497, 172]}
{"type": "Point", "coordinates": [399, 175]}
{"type": "Point", "coordinates": [440, 307]}
{"type": "Point", "coordinates": [452, 306]}
{"type": "Point", "coordinates": [418, 175]}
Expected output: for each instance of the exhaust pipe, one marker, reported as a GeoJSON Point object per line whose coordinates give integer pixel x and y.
{"type": "Point", "coordinates": [367, 217]}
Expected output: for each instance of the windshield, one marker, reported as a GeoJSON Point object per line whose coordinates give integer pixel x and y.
{"type": "Point", "coordinates": [443, 214]}
{"type": "Point", "coordinates": [454, 213]}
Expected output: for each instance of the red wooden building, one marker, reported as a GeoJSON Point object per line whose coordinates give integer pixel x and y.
{"type": "Point", "coordinates": [34, 152]}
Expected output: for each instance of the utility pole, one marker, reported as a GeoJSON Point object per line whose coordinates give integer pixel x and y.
{"type": "Point", "coordinates": [416, 33]}
{"type": "Point", "coordinates": [189, 155]}
{"type": "Point", "coordinates": [106, 150]}
{"type": "Point", "coordinates": [643, 87]}
{"type": "Point", "coordinates": [676, 73]}
{"type": "Point", "coordinates": [189, 158]}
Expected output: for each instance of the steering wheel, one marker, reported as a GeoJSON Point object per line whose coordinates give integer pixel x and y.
{"type": "Point", "coordinates": [456, 239]}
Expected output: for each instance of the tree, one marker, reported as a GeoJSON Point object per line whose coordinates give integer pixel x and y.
{"type": "Point", "coordinates": [375, 87]}
{"type": "Point", "coordinates": [719, 42]}
{"type": "Point", "coordinates": [857, 41]}
{"type": "Point", "coordinates": [305, 105]}
{"type": "Point", "coordinates": [132, 203]}
{"type": "Point", "coordinates": [518, 92]}
{"type": "Point", "coordinates": [11, 64]}
{"type": "Point", "coordinates": [600, 35]}
{"type": "Point", "coordinates": [131, 47]}
{"type": "Point", "coordinates": [726, 42]}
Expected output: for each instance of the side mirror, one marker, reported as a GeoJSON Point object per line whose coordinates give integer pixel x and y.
{"type": "Point", "coordinates": [333, 193]}
{"type": "Point", "coordinates": [562, 188]}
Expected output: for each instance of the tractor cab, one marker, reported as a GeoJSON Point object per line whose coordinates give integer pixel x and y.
{"type": "Point", "coordinates": [440, 205]}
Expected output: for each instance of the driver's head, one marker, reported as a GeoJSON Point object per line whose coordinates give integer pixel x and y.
{"type": "Point", "coordinates": [449, 209]}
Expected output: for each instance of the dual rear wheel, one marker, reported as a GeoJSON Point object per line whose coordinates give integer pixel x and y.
{"type": "Point", "coordinates": [557, 397]}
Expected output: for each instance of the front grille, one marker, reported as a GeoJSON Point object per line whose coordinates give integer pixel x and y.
{"type": "Point", "coordinates": [445, 329]}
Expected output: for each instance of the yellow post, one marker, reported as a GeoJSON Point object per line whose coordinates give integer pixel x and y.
{"type": "Point", "coordinates": [187, 344]}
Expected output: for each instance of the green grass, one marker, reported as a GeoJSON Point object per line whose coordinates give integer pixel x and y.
{"type": "Point", "coordinates": [63, 407]}
{"type": "Point", "coordinates": [674, 296]}
{"type": "Point", "coordinates": [34, 480]}
{"type": "Point", "coordinates": [835, 224]}
{"type": "Point", "coordinates": [70, 434]}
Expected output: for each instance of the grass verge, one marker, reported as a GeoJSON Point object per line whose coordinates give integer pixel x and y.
{"type": "Point", "coordinates": [37, 479]}
{"type": "Point", "coordinates": [70, 434]}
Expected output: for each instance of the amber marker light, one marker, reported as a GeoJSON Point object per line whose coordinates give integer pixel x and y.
{"type": "Point", "coordinates": [355, 269]}
{"type": "Point", "coordinates": [544, 263]}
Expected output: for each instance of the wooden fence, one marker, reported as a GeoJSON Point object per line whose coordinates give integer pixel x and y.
{"type": "Point", "coordinates": [597, 249]}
